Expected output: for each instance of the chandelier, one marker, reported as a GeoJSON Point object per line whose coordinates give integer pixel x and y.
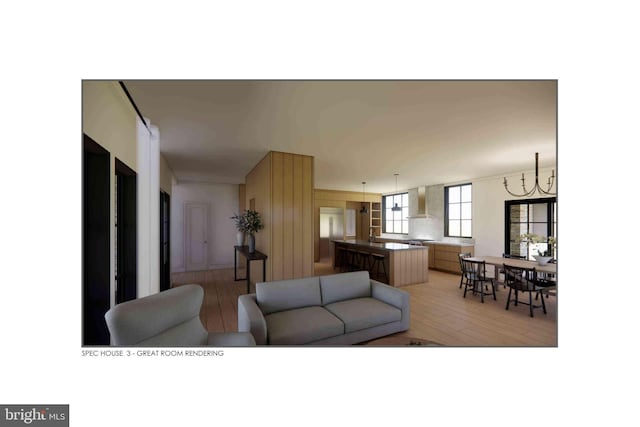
{"type": "Point", "coordinates": [536, 185]}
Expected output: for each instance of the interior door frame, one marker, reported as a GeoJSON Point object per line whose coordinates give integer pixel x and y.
{"type": "Point", "coordinates": [165, 241]}
{"type": "Point", "coordinates": [96, 242]}
{"type": "Point", "coordinates": [127, 233]}
{"type": "Point", "coordinates": [186, 234]}
{"type": "Point", "coordinates": [549, 201]}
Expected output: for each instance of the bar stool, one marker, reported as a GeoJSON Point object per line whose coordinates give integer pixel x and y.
{"type": "Point", "coordinates": [342, 258]}
{"type": "Point", "coordinates": [363, 260]}
{"type": "Point", "coordinates": [377, 260]}
{"type": "Point", "coordinates": [352, 259]}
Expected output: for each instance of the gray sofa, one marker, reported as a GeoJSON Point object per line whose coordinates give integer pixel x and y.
{"type": "Point", "coordinates": [168, 319]}
{"type": "Point", "coordinates": [338, 309]}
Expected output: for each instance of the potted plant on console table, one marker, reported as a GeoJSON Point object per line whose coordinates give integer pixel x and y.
{"type": "Point", "coordinates": [253, 224]}
{"type": "Point", "coordinates": [240, 221]}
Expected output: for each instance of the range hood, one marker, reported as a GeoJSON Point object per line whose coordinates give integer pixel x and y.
{"type": "Point", "coordinates": [421, 210]}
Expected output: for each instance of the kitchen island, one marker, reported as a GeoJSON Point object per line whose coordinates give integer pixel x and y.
{"type": "Point", "coordinates": [404, 264]}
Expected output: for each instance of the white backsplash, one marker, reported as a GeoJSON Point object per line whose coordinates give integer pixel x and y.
{"type": "Point", "coordinates": [426, 228]}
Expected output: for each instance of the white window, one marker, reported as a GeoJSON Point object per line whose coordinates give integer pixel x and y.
{"type": "Point", "coordinates": [396, 212]}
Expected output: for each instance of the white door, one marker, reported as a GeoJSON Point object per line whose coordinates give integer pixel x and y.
{"type": "Point", "coordinates": [195, 234]}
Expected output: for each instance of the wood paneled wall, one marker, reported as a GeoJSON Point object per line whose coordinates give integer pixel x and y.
{"type": "Point", "coordinates": [408, 267]}
{"type": "Point", "coordinates": [341, 199]}
{"type": "Point", "coordinates": [282, 188]}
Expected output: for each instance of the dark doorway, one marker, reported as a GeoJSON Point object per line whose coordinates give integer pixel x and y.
{"type": "Point", "coordinates": [165, 217]}
{"type": "Point", "coordinates": [537, 216]}
{"type": "Point", "coordinates": [95, 243]}
{"type": "Point", "coordinates": [126, 234]}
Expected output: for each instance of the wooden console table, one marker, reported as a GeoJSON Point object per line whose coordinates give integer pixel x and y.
{"type": "Point", "coordinates": [256, 256]}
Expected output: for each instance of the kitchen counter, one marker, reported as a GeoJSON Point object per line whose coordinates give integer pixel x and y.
{"type": "Point", "coordinates": [401, 239]}
{"type": "Point", "coordinates": [445, 256]}
{"type": "Point", "coordinates": [403, 264]}
{"type": "Point", "coordinates": [424, 241]}
{"type": "Point", "coordinates": [440, 242]}
{"type": "Point", "coordinates": [391, 246]}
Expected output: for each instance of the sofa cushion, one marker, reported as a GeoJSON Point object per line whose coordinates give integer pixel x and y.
{"type": "Point", "coordinates": [187, 334]}
{"type": "Point", "coordinates": [302, 326]}
{"type": "Point", "coordinates": [287, 294]}
{"type": "Point", "coordinates": [344, 286]}
{"type": "Point", "coordinates": [231, 339]}
{"type": "Point", "coordinates": [159, 319]}
{"type": "Point", "coordinates": [363, 313]}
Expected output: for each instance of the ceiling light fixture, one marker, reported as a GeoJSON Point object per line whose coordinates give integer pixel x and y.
{"type": "Point", "coordinates": [536, 185]}
{"type": "Point", "coordinates": [363, 209]}
{"type": "Point", "coordinates": [395, 207]}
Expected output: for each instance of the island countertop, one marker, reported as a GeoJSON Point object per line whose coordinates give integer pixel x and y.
{"type": "Point", "coordinates": [390, 246]}
{"type": "Point", "coordinates": [403, 264]}
{"type": "Point", "coordinates": [425, 241]}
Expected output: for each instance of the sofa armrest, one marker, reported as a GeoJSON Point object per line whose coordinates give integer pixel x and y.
{"type": "Point", "coordinates": [251, 319]}
{"type": "Point", "coordinates": [392, 296]}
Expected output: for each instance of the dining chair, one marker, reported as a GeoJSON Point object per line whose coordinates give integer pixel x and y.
{"type": "Point", "coordinates": [548, 282]}
{"type": "Point", "coordinates": [523, 280]}
{"type": "Point", "coordinates": [501, 271]}
{"type": "Point", "coordinates": [475, 277]}
{"type": "Point", "coordinates": [460, 257]}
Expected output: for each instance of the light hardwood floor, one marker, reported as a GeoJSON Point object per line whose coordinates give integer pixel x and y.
{"type": "Point", "coordinates": [438, 311]}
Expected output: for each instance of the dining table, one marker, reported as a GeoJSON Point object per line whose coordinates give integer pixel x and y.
{"type": "Point", "coordinates": [497, 262]}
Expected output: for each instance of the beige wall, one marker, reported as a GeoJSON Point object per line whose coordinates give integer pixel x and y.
{"type": "Point", "coordinates": [242, 198]}
{"type": "Point", "coordinates": [110, 120]}
{"type": "Point", "coordinates": [166, 176]}
{"type": "Point", "coordinates": [222, 201]}
{"type": "Point", "coordinates": [281, 187]}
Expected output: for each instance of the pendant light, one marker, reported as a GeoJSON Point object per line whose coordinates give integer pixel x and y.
{"type": "Point", "coordinates": [395, 207]}
{"type": "Point", "coordinates": [363, 209]}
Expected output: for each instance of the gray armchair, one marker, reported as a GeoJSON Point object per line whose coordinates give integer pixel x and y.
{"type": "Point", "coordinates": [168, 319]}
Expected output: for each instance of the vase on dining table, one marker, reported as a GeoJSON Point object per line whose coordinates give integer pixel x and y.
{"type": "Point", "coordinates": [542, 260]}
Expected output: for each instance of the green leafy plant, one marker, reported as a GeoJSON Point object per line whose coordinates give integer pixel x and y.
{"type": "Point", "coordinates": [240, 221]}
{"type": "Point", "coordinates": [253, 221]}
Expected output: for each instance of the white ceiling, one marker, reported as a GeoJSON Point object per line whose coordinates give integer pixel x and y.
{"type": "Point", "coordinates": [429, 132]}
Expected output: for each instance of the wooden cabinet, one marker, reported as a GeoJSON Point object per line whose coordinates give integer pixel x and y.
{"type": "Point", "coordinates": [445, 257]}
{"type": "Point", "coordinates": [432, 252]}
{"type": "Point", "coordinates": [376, 218]}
